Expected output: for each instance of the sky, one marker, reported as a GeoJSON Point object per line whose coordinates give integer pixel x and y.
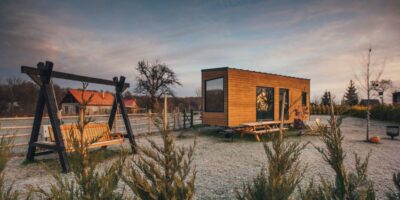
{"type": "Point", "coordinates": [325, 41]}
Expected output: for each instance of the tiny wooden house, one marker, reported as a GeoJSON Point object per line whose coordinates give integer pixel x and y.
{"type": "Point", "coordinates": [231, 97]}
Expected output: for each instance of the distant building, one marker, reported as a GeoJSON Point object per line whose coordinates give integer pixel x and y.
{"type": "Point", "coordinates": [372, 102]}
{"type": "Point", "coordinates": [100, 103]}
{"type": "Point", "coordinates": [396, 98]}
{"type": "Point", "coordinates": [131, 105]}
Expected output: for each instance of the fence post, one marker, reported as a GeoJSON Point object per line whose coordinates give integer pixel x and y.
{"type": "Point", "coordinates": [178, 119]}
{"type": "Point", "coordinates": [165, 113]}
{"type": "Point", "coordinates": [191, 118]}
{"type": "Point", "coordinates": [149, 121]}
{"type": "Point", "coordinates": [174, 115]}
{"type": "Point", "coordinates": [184, 118]}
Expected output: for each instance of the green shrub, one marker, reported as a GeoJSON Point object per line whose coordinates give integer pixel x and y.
{"type": "Point", "coordinates": [87, 181]}
{"type": "Point", "coordinates": [162, 171]}
{"type": "Point", "coordinates": [381, 112]}
{"type": "Point", "coordinates": [283, 175]}
{"type": "Point", "coordinates": [347, 186]}
{"type": "Point", "coordinates": [6, 192]}
{"type": "Point", "coordinates": [395, 195]}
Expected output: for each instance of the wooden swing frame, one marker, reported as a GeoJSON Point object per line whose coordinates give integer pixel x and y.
{"type": "Point", "coordinates": [42, 76]}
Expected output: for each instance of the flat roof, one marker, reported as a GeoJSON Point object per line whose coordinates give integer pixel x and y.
{"type": "Point", "coordinates": [226, 68]}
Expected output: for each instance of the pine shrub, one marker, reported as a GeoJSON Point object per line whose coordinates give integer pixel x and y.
{"type": "Point", "coordinates": [6, 192]}
{"type": "Point", "coordinates": [162, 172]}
{"type": "Point", "coordinates": [347, 186]}
{"type": "Point", "coordinates": [395, 195]}
{"type": "Point", "coordinates": [87, 181]}
{"type": "Point", "coordinates": [282, 176]}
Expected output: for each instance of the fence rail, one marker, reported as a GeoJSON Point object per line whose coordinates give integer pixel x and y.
{"type": "Point", "coordinates": [20, 127]}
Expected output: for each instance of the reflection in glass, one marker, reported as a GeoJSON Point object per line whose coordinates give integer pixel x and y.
{"type": "Point", "coordinates": [214, 97]}
{"type": "Point", "coordinates": [265, 103]}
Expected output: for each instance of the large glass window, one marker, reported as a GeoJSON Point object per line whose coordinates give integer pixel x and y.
{"type": "Point", "coordinates": [285, 92]}
{"type": "Point", "coordinates": [265, 103]}
{"type": "Point", "coordinates": [214, 95]}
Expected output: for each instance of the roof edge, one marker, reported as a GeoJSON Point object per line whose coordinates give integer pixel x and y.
{"type": "Point", "coordinates": [226, 68]}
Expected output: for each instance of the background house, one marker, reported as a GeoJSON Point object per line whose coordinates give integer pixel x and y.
{"type": "Point", "coordinates": [131, 106]}
{"type": "Point", "coordinates": [100, 103]}
{"type": "Point", "coordinates": [372, 102]}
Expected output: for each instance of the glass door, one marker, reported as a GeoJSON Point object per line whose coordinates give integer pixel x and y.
{"type": "Point", "coordinates": [265, 104]}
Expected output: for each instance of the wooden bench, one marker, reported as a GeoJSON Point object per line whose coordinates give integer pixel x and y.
{"type": "Point", "coordinates": [260, 128]}
{"type": "Point", "coordinates": [99, 135]}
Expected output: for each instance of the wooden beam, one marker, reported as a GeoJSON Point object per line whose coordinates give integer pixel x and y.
{"type": "Point", "coordinates": [31, 71]}
{"type": "Point", "coordinates": [46, 145]}
{"type": "Point", "coordinates": [120, 100]}
{"type": "Point", "coordinates": [35, 79]}
{"type": "Point", "coordinates": [30, 156]}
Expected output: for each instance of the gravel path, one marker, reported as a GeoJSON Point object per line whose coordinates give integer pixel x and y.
{"type": "Point", "coordinates": [223, 165]}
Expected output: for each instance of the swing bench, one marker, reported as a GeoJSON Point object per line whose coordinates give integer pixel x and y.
{"type": "Point", "coordinates": [97, 135]}
{"type": "Point", "coordinates": [61, 135]}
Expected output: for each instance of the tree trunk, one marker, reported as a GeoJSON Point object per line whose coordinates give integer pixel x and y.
{"type": "Point", "coordinates": [368, 93]}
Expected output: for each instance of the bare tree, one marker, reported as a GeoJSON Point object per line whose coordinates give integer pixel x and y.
{"type": "Point", "coordinates": [366, 75]}
{"type": "Point", "coordinates": [198, 95]}
{"type": "Point", "coordinates": [380, 86]}
{"type": "Point", "coordinates": [155, 80]}
{"type": "Point", "coordinates": [12, 84]}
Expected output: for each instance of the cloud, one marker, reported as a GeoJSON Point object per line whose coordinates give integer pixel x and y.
{"type": "Point", "coordinates": [323, 41]}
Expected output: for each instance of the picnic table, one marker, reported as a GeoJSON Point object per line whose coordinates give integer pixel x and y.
{"type": "Point", "coordinates": [259, 128]}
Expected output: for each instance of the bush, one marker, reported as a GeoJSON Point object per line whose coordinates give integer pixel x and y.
{"type": "Point", "coordinates": [87, 181]}
{"type": "Point", "coordinates": [395, 195]}
{"type": "Point", "coordinates": [162, 171]}
{"type": "Point", "coordinates": [381, 112]}
{"type": "Point", "coordinates": [283, 175]}
{"type": "Point", "coordinates": [347, 186]}
{"type": "Point", "coordinates": [6, 193]}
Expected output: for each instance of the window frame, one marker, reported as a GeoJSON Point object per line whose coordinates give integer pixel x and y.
{"type": "Point", "coordinates": [223, 95]}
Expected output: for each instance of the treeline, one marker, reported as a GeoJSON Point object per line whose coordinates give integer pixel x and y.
{"type": "Point", "coordinates": [181, 103]}
{"type": "Point", "coordinates": [379, 112]}
{"type": "Point", "coordinates": [18, 97]}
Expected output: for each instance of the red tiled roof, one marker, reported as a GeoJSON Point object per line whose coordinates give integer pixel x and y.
{"type": "Point", "coordinates": [130, 103]}
{"type": "Point", "coordinates": [98, 99]}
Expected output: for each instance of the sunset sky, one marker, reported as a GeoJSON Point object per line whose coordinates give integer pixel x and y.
{"type": "Point", "coordinates": [325, 41]}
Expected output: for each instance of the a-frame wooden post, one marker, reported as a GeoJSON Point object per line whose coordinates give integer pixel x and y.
{"type": "Point", "coordinates": [46, 97]}
{"type": "Point", "coordinates": [119, 88]}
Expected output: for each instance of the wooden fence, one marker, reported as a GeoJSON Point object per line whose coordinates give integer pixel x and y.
{"type": "Point", "coordinates": [142, 123]}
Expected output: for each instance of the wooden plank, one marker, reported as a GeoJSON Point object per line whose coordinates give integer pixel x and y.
{"type": "Point", "coordinates": [46, 145]}
{"type": "Point", "coordinates": [15, 135]}
{"type": "Point", "coordinates": [267, 131]}
{"type": "Point", "coordinates": [260, 123]}
{"type": "Point", "coordinates": [55, 74]}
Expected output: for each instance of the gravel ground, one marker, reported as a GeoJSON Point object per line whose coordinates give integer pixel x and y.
{"type": "Point", "coordinates": [223, 165]}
